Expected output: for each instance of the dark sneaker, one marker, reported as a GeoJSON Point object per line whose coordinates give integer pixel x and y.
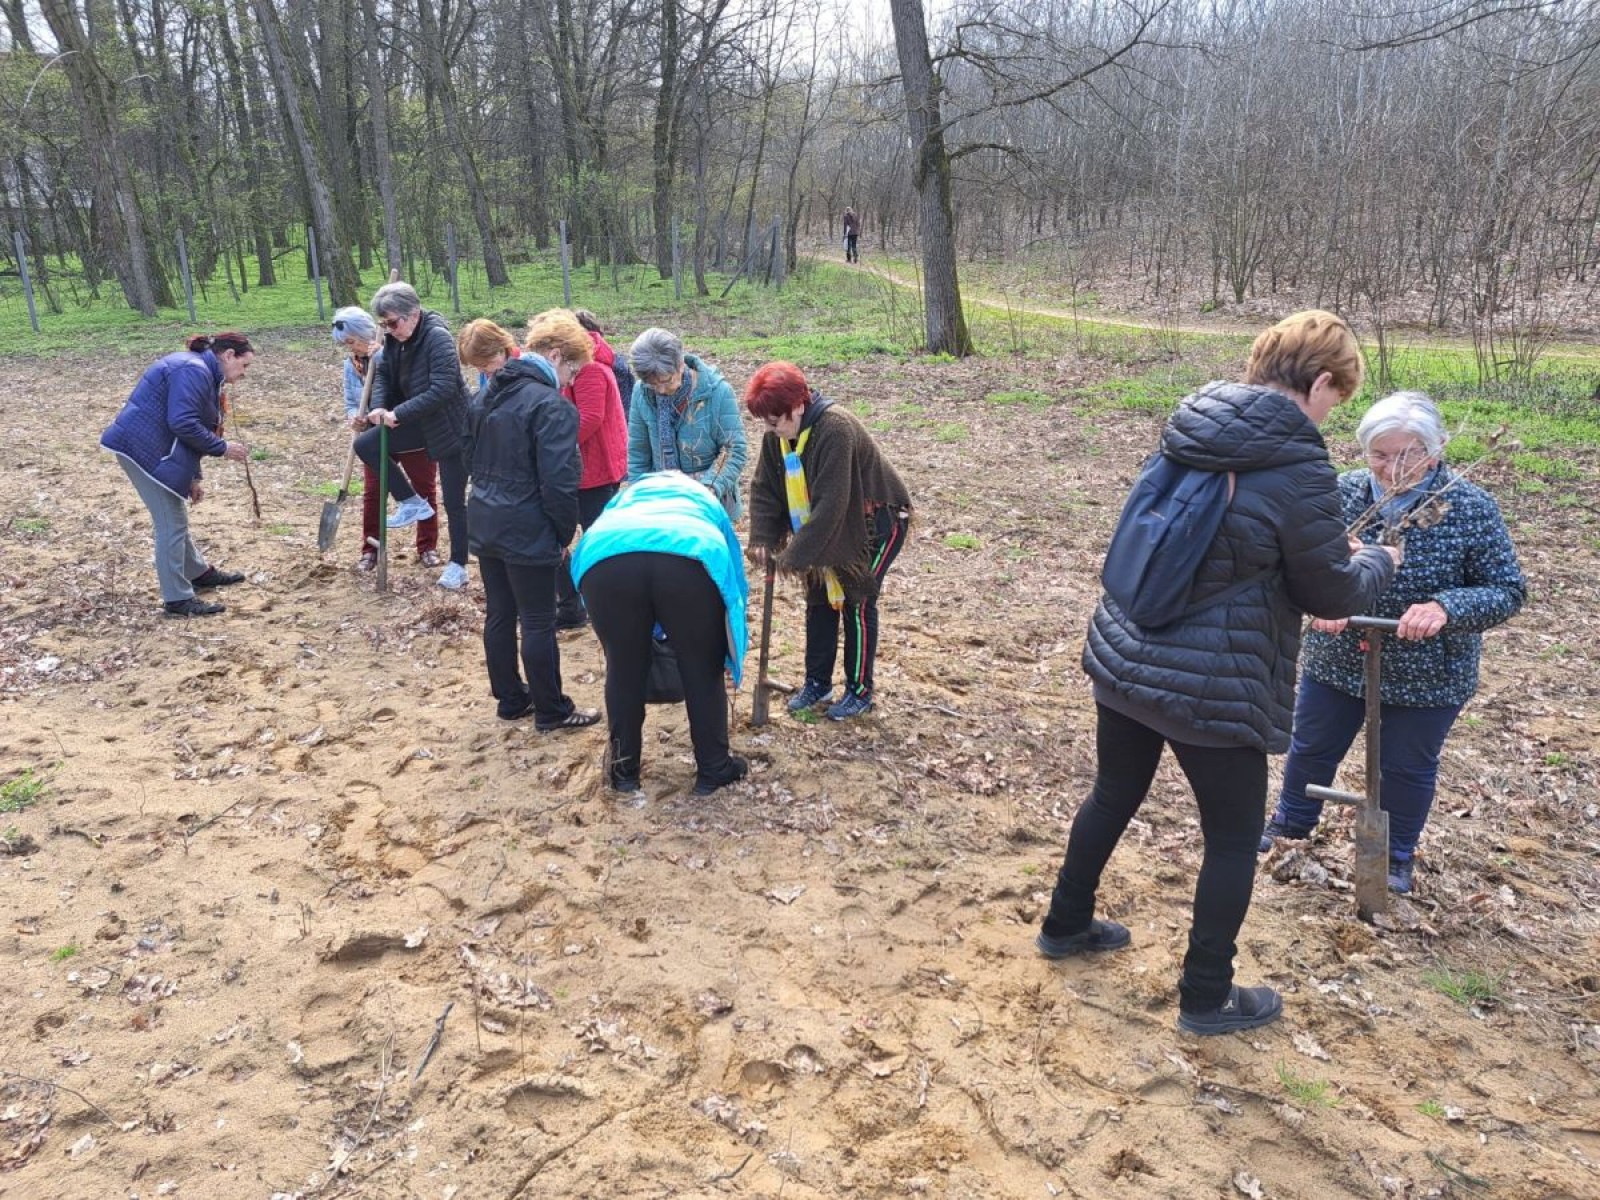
{"type": "Point", "coordinates": [737, 768]}
{"type": "Point", "coordinates": [1245, 1008]}
{"type": "Point", "coordinates": [565, 621]}
{"type": "Point", "coordinates": [515, 712]}
{"type": "Point", "coordinates": [621, 782]}
{"type": "Point", "coordinates": [1401, 871]}
{"type": "Point", "coordinates": [809, 696]}
{"type": "Point", "coordinates": [852, 704]}
{"type": "Point", "coordinates": [1101, 935]}
{"type": "Point", "coordinates": [578, 718]}
{"type": "Point", "coordinates": [213, 578]}
{"type": "Point", "coordinates": [192, 607]}
{"type": "Point", "coordinates": [1277, 829]}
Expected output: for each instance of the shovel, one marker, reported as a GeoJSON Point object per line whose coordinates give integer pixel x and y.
{"type": "Point", "coordinates": [332, 510]}
{"type": "Point", "coordinates": [761, 702]}
{"type": "Point", "coordinates": [1372, 823]}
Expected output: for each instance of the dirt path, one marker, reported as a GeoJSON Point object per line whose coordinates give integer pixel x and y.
{"type": "Point", "coordinates": [276, 852]}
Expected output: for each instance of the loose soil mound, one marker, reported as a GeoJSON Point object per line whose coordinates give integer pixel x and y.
{"type": "Point", "coordinates": [295, 915]}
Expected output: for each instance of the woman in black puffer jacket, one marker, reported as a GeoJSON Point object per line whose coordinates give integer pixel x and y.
{"type": "Point", "coordinates": [522, 444]}
{"type": "Point", "coordinates": [1217, 685]}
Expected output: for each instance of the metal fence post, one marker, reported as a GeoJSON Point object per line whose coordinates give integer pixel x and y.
{"type": "Point", "coordinates": [27, 280]}
{"type": "Point", "coordinates": [188, 280]}
{"type": "Point", "coordinates": [566, 268]}
{"type": "Point", "coordinates": [316, 272]}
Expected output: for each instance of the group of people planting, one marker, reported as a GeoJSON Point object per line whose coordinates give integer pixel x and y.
{"type": "Point", "coordinates": [651, 474]}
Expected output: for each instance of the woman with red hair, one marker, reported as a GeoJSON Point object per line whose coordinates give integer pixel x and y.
{"type": "Point", "coordinates": [825, 504]}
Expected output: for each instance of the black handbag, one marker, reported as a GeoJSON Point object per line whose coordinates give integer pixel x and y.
{"type": "Point", "coordinates": [664, 685]}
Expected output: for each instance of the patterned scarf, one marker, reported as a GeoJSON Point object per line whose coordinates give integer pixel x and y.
{"type": "Point", "coordinates": [668, 410]}
{"type": "Point", "coordinates": [1393, 506]}
{"type": "Point", "coordinates": [799, 497]}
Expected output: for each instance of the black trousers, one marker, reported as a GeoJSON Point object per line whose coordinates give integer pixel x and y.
{"type": "Point", "coordinates": [452, 479]}
{"type": "Point", "coordinates": [627, 596]}
{"type": "Point", "coordinates": [591, 503]}
{"type": "Point", "coordinates": [1230, 785]}
{"type": "Point", "coordinates": [522, 596]}
{"type": "Point", "coordinates": [860, 618]}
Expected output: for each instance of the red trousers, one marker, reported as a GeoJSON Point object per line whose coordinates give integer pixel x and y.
{"type": "Point", "coordinates": [424, 475]}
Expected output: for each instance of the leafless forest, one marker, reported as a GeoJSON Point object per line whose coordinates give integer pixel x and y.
{"type": "Point", "coordinates": [1432, 164]}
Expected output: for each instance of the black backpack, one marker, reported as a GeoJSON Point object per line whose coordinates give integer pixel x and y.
{"type": "Point", "coordinates": [1165, 531]}
{"type": "Point", "coordinates": [619, 368]}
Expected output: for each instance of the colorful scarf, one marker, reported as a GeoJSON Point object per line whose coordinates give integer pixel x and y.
{"type": "Point", "coordinates": [799, 497]}
{"type": "Point", "coordinates": [668, 410]}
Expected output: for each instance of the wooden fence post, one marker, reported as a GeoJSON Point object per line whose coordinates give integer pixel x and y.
{"type": "Point", "coordinates": [450, 254]}
{"type": "Point", "coordinates": [188, 280]}
{"type": "Point", "coordinates": [566, 268]}
{"type": "Point", "coordinates": [677, 263]}
{"type": "Point", "coordinates": [316, 273]}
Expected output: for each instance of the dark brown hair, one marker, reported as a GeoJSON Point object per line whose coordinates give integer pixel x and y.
{"type": "Point", "coordinates": [237, 342]}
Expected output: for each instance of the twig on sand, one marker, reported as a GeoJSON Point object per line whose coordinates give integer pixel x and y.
{"type": "Point", "coordinates": [495, 878]}
{"type": "Point", "coordinates": [60, 1087]}
{"type": "Point", "coordinates": [433, 1042]}
{"type": "Point", "coordinates": [209, 821]}
{"type": "Point", "coordinates": [255, 500]}
{"type": "Point", "coordinates": [383, 1085]}
{"type": "Point", "coordinates": [1472, 1181]}
{"type": "Point", "coordinates": [721, 1175]}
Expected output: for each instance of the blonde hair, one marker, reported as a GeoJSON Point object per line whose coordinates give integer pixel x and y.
{"type": "Point", "coordinates": [1299, 348]}
{"type": "Point", "coordinates": [558, 329]}
{"type": "Point", "coordinates": [481, 340]}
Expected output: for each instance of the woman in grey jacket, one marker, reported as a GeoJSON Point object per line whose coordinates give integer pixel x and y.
{"type": "Point", "coordinates": [1217, 685]}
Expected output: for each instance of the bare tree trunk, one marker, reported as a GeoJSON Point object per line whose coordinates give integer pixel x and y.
{"type": "Point", "coordinates": [494, 265]}
{"type": "Point", "coordinates": [343, 283]}
{"type": "Point", "coordinates": [930, 175]}
{"type": "Point", "coordinates": [116, 197]}
{"type": "Point", "coordinates": [378, 89]}
{"type": "Point", "coordinates": [17, 23]}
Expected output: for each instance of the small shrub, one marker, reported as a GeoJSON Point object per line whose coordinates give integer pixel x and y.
{"type": "Point", "coordinates": [21, 792]}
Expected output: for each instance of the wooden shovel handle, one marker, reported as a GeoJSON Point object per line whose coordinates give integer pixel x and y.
{"type": "Point", "coordinates": [366, 395]}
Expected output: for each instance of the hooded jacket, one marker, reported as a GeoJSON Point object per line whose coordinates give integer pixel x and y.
{"type": "Point", "coordinates": [170, 419]}
{"type": "Point", "coordinates": [419, 379]}
{"type": "Point", "coordinates": [522, 442]}
{"type": "Point", "coordinates": [709, 426]}
{"type": "Point", "coordinates": [1224, 675]}
{"type": "Point", "coordinates": [602, 427]}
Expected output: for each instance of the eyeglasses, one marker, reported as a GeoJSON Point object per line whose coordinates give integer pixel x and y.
{"type": "Point", "coordinates": [391, 323]}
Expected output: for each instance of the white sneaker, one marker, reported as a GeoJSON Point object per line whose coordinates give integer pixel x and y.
{"type": "Point", "coordinates": [454, 577]}
{"type": "Point", "coordinates": [410, 512]}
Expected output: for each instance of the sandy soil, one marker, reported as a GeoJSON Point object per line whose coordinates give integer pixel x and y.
{"type": "Point", "coordinates": [282, 855]}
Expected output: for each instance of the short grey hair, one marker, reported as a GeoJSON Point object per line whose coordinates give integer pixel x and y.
{"type": "Point", "coordinates": [354, 320]}
{"type": "Point", "coordinates": [396, 300]}
{"type": "Point", "coordinates": [1404, 412]}
{"type": "Point", "coordinates": [656, 354]}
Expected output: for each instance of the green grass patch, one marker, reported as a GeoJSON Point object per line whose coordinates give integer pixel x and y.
{"type": "Point", "coordinates": [951, 431]}
{"type": "Point", "coordinates": [31, 526]}
{"type": "Point", "coordinates": [260, 455]}
{"type": "Point", "coordinates": [62, 953]}
{"type": "Point", "coordinates": [330, 490]}
{"type": "Point", "coordinates": [1431, 1108]}
{"type": "Point", "coordinates": [1313, 1093]}
{"type": "Point", "coordinates": [963, 541]}
{"type": "Point", "coordinates": [1024, 397]}
{"type": "Point", "coordinates": [280, 529]}
{"type": "Point", "coordinates": [21, 792]}
{"type": "Point", "coordinates": [1467, 987]}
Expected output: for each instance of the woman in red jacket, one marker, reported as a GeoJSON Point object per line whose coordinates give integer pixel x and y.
{"type": "Point", "coordinates": [603, 446]}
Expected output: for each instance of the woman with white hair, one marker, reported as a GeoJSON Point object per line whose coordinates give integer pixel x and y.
{"type": "Point", "coordinates": [684, 417]}
{"type": "Point", "coordinates": [356, 331]}
{"type": "Point", "coordinates": [1459, 577]}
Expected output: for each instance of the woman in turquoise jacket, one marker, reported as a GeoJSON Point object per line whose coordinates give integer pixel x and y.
{"type": "Point", "coordinates": [684, 417]}
{"type": "Point", "coordinates": [664, 556]}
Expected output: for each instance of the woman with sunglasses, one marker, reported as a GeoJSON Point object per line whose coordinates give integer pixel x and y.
{"type": "Point", "coordinates": [357, 332]}
{"type": "Point", "coordinates": [418, 393]}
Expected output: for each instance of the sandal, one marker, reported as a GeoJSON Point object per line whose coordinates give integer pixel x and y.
{"type": "Point", "coordinates": [578, 718]}
{"type": "Point", "coordinates": [368, 562]}
{"type": "Point", "coordinates": [429, 558]}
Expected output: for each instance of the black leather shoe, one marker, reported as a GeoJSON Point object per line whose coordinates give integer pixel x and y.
{"type": "Point", "coordinates": [1101, 935]}
{"type": "Point", "coordinates": [1245, 1008]}
{"type": "Point", "coordinates": [192, 607]}
{"type": "Point", "coordinates": [738, 767]}
{"type": "Point", "coordinates": [213, 578]}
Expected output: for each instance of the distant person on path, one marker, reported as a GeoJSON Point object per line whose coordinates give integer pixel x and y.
{"type": "Point", "coordinates": [1460, 576]}
{"type": "Point", "coordinates": [169, 423]}
{"type": "Point", "coordinates": [357, 332]}
{"type": "Point", "coordinates": [419, 395]}
{"type": "Point", "coordinates": [684, 417]}
{"type": "Point", "coordinates": [852, 233]}
{"type": "Point", "coordinates": [603, 447]}
{"type": "Point", "coordinates": [664, 553]}
{"type": "Point", "coordinates": [522, 443]}
{"type": "Point", "coordinates": [1216, 685]}
{"type": "Point", "coordinates": [826, 504]}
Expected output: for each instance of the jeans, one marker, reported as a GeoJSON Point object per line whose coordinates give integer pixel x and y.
{"type": "Point", "coordinates": [1230, 786]}
{"type": "Point", "coordinates": [1409, 741]}
{"type": "Point", "coordinates": [591, 503]}
{"type": "Point", "coordinates": [452, 478]}
{"type": "Point", "coordinates": [627, 596]}
{"type": "Point", "coordinates": [178, 560]}
{"type": "Point", "coordinates": [525, 596]}
{"type": "Point", "coordinates": [860, 618]}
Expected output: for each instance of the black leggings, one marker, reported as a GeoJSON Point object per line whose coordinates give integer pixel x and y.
{"type": "Point", "coordinates": [452, 478]}
{"type": "Point", "coordinates": [860, 617]}
{"type": "Point", "coordinates": [591, 503]}
{"type": "Point", "coordinates": [627, 596]}
{"type": "Point", "coordinates": [1230, 786]}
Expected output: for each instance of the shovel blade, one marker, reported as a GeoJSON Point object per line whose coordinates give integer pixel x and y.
{"type": "Point", "coordinates": [328, 527]}
{"type": "Point", "coordinates": [1372, 861]}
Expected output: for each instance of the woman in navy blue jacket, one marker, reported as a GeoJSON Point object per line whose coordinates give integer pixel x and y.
{"type": "Point", "coordinates": [1460, 576]}
{"type": "Point", "coordinates": [169, 423]}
